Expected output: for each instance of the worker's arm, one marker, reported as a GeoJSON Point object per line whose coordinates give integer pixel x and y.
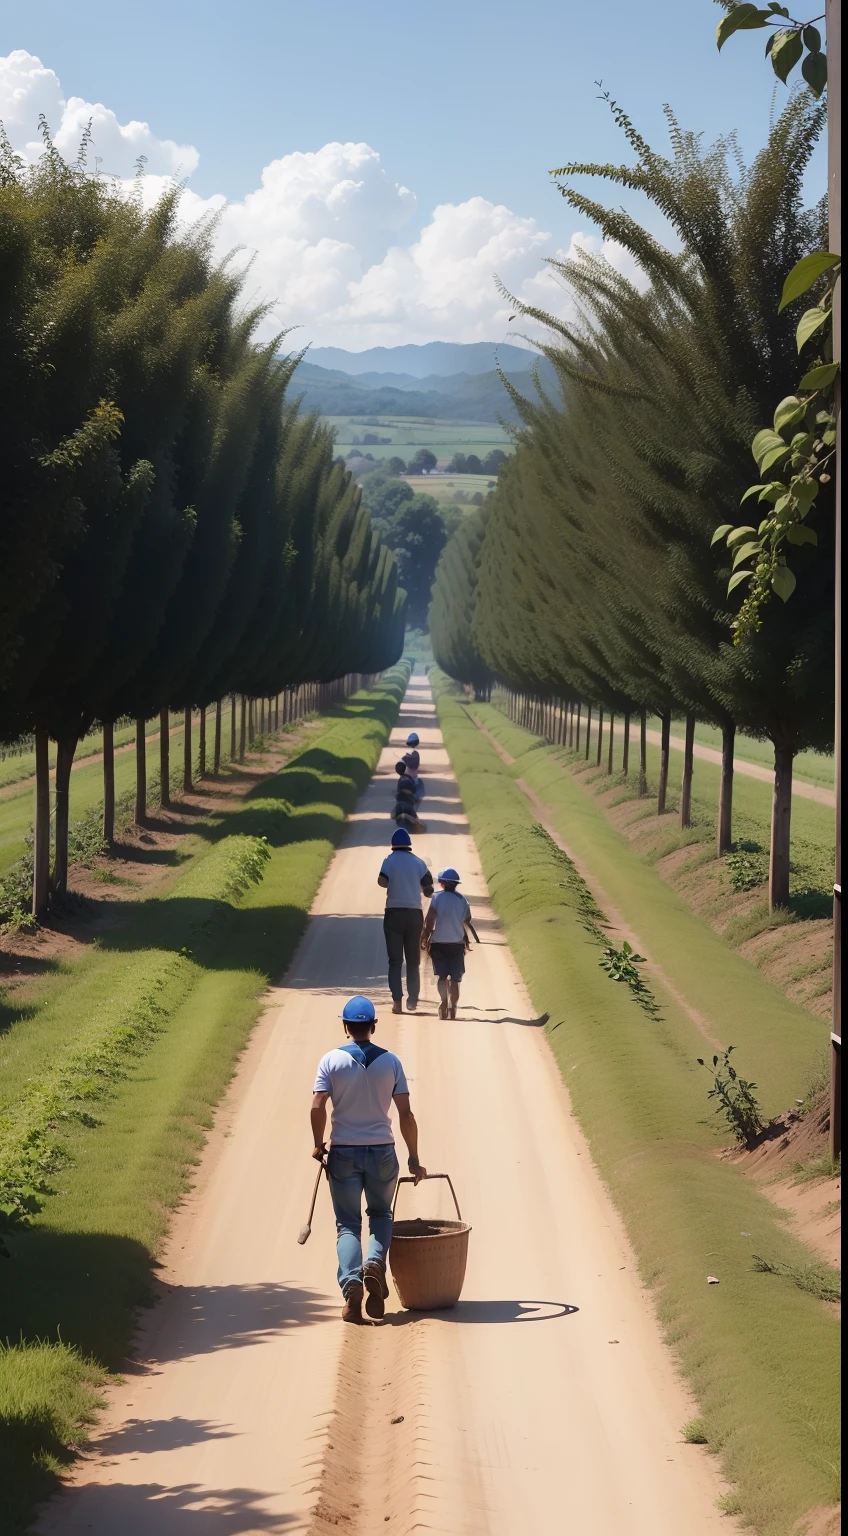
{"type": "Point", "coordinates": [318, 1116]}
{"type": "Point", "coordinates": [409, 1132]}
{"type": "Point", "coordinates": [383, 880]}
{"type": "Point", "coordinates": [429, 922]}
{"type": "Point", "coordinates": [427, 883]}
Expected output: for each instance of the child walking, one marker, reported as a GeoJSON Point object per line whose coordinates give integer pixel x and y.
{"type": "Point", "coordinates": [444, 930]}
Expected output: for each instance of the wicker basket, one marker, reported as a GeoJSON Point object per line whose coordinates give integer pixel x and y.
{"type": "Point", "coordinates": [428, 1257]}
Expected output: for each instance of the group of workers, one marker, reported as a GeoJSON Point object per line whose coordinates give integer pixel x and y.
{"type": "Point", "coordinates": [409, 790]}
{"type": "Point", "coordinates": [361, 1080]}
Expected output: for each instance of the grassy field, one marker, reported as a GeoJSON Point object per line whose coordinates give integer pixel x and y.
{"type": "Point", "coordinates": [760, 1353]}
{"type": "Point", "coordinates": [451, 488]}
{"type": "Point", "coordinates": [111, 1067]}
{"type": "Point", "coordinates": [815, 767]}
{"type": "Point", "coordinates": [444, 438]}
{"type": "Point", "coordinates": [17, 805]}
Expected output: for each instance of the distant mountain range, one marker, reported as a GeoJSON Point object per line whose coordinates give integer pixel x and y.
{"type": "Point", "coordinates": [440, 358]}
{"type": "Point", "coordinates": [475, 393]}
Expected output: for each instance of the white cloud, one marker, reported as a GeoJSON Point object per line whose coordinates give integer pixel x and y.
{"type": "Point", "coordinates": [321, 231]}
{"type": "Point", "coordinates": [27, 88]}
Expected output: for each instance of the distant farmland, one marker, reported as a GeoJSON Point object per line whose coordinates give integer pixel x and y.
{"type": "Point", "coordinates": [406, 434]}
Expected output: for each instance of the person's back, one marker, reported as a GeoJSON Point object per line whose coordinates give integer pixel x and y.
{"type": "Point", "coordinates": [452, 913]}
{"type": "Point", "coordinates": [405, 879]}
{"type": "Point", "coordinates": [361, 1079]}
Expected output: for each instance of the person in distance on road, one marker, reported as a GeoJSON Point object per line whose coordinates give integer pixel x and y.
{"type": "Point", "coordinates": [361, 1080]}
{"type": "Point", "coordinates": [404, 877]}
{"type": "Point", "coordinates": [444, 931]}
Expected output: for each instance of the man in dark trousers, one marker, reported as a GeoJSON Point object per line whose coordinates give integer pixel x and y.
{"type": "Point", "coordinates": [405, 878]}
{"type": "Point", "coordinates": [362, 1080]}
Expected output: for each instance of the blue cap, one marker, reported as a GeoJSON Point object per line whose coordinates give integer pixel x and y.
{"type": "Point", "coordinates": [450, 875]}
{"type": "Point", "coordinates": [412, 739]}
{"type": "Point", "coordinates": [359, 1010]}
{"type": "Point", "coordinates": [401, 838]}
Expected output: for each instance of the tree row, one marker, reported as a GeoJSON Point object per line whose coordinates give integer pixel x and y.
{"type": "Point", "coordinates": [174, 530]}
{"type": "Point", "coordinates": [589, 580]}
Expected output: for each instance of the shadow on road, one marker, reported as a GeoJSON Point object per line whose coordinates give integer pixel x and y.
{"type": "Point", "coordinates": [491, 1312]}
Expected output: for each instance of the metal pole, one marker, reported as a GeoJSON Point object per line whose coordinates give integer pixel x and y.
{"type": "Point", "coordinates": [834, 188]}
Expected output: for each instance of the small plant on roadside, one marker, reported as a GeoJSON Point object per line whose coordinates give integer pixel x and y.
{"type": "Point", "coordinates": [695, 1432]}
{"type": "Point", "coordinates": [819, 1168]}
{"type": "Point", "coordinates": [620, 965]}
{"type": "Point", "coordinates": [746, 867]}
{"type": "Point", "coordinates": [246, 865]}
{"type": "Point", "coordinates": [736, 1098]}
{"type": "Point", "coordinates": [818, 1279]}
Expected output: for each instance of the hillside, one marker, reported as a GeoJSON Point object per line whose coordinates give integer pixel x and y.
{"type": "Point", "coordinates": [421, 362]}
{"type": "Point", "coordinates": [455, 397]}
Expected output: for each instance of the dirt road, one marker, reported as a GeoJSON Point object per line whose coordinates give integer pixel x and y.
{"type": "Point", "coordinates": [544, 1402]}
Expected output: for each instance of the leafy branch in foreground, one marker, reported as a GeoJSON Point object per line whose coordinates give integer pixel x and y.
{"type": "Point", "coordinates": [789, 40]}
{"type": "Point", "coordinates": [736, 1098]}
{"type": "Point", "coordinates": [800, 446]}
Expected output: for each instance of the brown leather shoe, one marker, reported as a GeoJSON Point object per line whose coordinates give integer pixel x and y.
{"type": "Point", "coordinates": [397, 1005]}
{"type": "Point", "coordinates": [352, 1309]}
{"type": "Point", "coordinates": [374, 1276]}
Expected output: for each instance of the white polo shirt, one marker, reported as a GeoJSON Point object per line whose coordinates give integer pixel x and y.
{"type": "Point", "coordinates": [361, 1081]}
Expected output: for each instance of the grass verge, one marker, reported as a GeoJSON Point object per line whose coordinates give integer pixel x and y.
{"type": "Point", "coordinates": [112, 1068]}
{"type": "Point", "coordinates": [760, 1356]}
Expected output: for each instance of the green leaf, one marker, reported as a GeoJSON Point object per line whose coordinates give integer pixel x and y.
{"type": "Point", "coordinates": [764, 441]}
{"type": "Point", "coordinates": [804, 273]}
{"type": "Point", "coordinates": [772, 491]}
{"type": "Point", "coordinates": [751, 491]}
{"type": "Point", "coordinates": [773, 456]}
{"type": "Point", "coordinates": [786, 52]}
{"type": "Point", "coordinates": [720, 533]}
{"type": "Point", "coordinates": [744, 553]}
{"type": "Point", "coordinates": [790, 410]}
{"type": "Point", "coordinates": [783, 582]}
{"type": "Point", "coordinates": [736, 578]}
{"type": "Point", "coordinates": [737, 534]}
{"type": "Point", "coordinates": [809, 323]}
{"type": "Point", "coordinates": [798, 534]}
{"type": "Point", "coordinates": [812, 39]}
{"type": "Point", "coordinates": [821, 377]}
{"type": "Point", "coordinates": [814, 70]}
{"type": "Point", "coordinates": [742, 18]}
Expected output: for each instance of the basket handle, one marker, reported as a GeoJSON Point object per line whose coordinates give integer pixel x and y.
{"type": "Point", "coordinates": [408, 1179]}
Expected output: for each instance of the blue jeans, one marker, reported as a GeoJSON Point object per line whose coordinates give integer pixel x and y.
{"type": "Point", "coordinates": [352, 1172]}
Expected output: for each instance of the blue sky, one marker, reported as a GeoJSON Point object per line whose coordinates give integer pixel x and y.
{"type": "Point", "coordinates": [459, 101]}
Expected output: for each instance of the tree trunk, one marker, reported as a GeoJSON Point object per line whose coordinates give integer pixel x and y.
{"type": "Point", "coordinates": [611, 743]}
{"type": "Point", "coordinates": [65, 749]}
{"type": "Point", "coordinates": [688, 768]}
{"type": "Point", "coordinates": [588, 729]}
{"type": "Point", "coordinates": [577, 733]}
{"type": "Point", "coordinates": [725, 797]}
{"type": "Point", "coordinates": [262, 717]}
{"type": "Point", "coordinates": [164, 757]}
{"type": "Point", "coordinates": [140, 773]}
{"type": "Point", "coordinates": [201, 745]}
{"type": "Point", "coordinates": [187, 765]}
{"type": "Point", "coordinates": [643, 752]}
{"type": "Point", "coordinates": [625, 751]}
{"type": "Point", "coordinates": [781, 822]}
{"type": "Point", "coordinates": [233, 728]}
{"type": "Point", "coordinates": [242, 728]}
{"type": "Point", "coordinates": [570, 724]}
{"type": "Point", "coordinates": [216, 760]}
{"type": "Point", "coordinates": [600, 737]}
{"type": "Point", "coordinates": [665, 750]}
{"type": "Point", "coordinates": [41, 848]}
{"type": "Point", "coordinates": [108, 781]}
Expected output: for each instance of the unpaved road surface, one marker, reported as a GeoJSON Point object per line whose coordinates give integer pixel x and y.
{"type": "Point", "coordinates": [545, 1402]}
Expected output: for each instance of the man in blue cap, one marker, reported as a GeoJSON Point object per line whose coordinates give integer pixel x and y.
{"type": "Point", "coordinates": [405, 878]}
{"type": "Point", "coordinates": [361, 1080]}
{"type": "Point", "coordinates": [445, 933]}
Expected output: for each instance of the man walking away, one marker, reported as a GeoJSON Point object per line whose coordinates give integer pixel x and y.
{"type": "Point", "coordinates": [445, 930]}
{"type": "Point", "coordinates": [404, 877]}
{"type": "Point", "coordinates": [361, 1079]}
